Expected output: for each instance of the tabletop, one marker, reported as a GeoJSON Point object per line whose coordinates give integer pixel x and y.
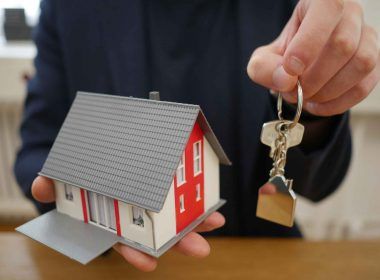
{"type": "Point", "coordinates": [231, 258]}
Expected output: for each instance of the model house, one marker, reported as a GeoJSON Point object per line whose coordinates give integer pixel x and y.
{"type": "Point", "coordinates": [141, 172]}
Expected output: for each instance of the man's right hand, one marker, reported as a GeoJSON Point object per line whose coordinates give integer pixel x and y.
{"type": "Point", "coordinates": [193, 244]}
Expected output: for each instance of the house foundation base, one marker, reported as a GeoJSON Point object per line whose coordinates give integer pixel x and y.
{"type": "Point", "coordinates": [83, 242]}
{"type": "Point", "coordinates": [175, 239]}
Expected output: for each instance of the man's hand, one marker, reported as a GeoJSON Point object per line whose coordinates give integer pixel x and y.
{"type": "Point", "coordinates": [193, 244]}
{"type": "Point", "coordinates": [329, 46]}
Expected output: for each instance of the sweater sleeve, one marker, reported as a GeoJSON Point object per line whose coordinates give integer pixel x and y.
{"type": "Point", "coordinates": [45, 106]}
{"type": "Point", "coordinates": [318, 172]}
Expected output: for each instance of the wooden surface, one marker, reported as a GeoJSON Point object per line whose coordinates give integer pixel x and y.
{"type": "Point", "coordinates": [231, 258]}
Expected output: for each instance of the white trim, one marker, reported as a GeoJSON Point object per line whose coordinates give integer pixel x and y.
{"type": "Point", "coordinates": [72, 208]}
{"type": "Point", "coordinates": [197, 157]}
{"type": "Point", "coordinates": [181, 168]}
{"type": "Point", "coordinates": [182, 203]}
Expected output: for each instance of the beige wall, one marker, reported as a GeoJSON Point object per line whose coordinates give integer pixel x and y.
{"type": "Point", "coordinates": [165, 221]}
{"type": "Point", "coordinates": [211, 176]}
{"type": "Point", "coordinates": [142, 235]}
{"type": "Point", "coordinates": [72, 208]}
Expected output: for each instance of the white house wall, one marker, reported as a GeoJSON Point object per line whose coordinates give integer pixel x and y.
{"type": "Point", "coordinates": [211, 176]}
{"type": "Point", "coordinates": [142, 235]}
{"type": "Point", "coordinates": [72, 208]}
{"type": "Point", "coordinates": [165, 220]}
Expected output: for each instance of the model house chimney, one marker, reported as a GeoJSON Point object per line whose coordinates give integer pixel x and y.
{"type": "Point", "coordinates": [154, 95]}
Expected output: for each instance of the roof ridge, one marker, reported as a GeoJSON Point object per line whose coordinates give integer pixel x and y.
{"type": "Point", "coordinates": [147, 100]}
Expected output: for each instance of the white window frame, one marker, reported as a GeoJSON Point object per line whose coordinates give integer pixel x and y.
{"type": "Point", "coordinates": [69, 192]}
{"type": "Point", "coordinates": [138, 210]}
{"type": "Point", "coordinates": [197, 157]}
{"type": "Point", "coordinates": [182, 203]}
{"type": "Point", "coordinates": [181, 169]}
{"type": "Point", "coordinates": [96, 222]}
{"type": "Point", "coordinates": [198, 195]}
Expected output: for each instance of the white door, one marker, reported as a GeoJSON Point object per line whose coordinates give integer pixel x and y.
{"type": "Point", "coordinates": [102, 210]}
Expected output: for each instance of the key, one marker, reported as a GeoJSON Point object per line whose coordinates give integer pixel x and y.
{"type": "Point", "coordinates": [269, 134]}
{"type": "Point", "coordinates": [276, 199]}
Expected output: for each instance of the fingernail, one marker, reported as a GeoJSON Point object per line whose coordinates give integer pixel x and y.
{"type": "Point", "coordinates": [296, 66]}
{"type": "Point", "coordinates": [282, 80]}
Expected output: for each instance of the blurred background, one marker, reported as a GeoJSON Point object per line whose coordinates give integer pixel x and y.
{"type": "Point", "coordinates": [353, 212]}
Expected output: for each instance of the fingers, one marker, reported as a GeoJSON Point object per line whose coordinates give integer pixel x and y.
{"type": "Point", "coordinates": [214, 221]}
{"type": "Point", "coordinates": [194, 245]}
{"type": "Point", "coordinates": [348, 99]}
{"type": "Point", "coordinates": [191, 245]}
{"type": "Point", "coordinates": [340, 48]}
{"type": "Point", "coordinates": [303, 39]}
{"type": "Point", "coordinates": [360, 65]}
{"type": "Point", "coordinates": [327, 45]}
{"type": "Point", "coordinates": [312, 34]}
{"type": "Point", "coordinates": [265, 68]}
{"type": "Point", "coordinates": [136, 258]}
{"type": "Point", "coordinates": [43, 189]}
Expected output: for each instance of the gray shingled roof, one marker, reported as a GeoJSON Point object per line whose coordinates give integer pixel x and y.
{"type": "Point", "coordinates": [123, 147]}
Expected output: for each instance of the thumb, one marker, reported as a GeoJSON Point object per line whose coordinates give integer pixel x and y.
{"type": "Point", "coordinates": [266, 68]}
{"type": "Point", "coordinates": [43, 189]}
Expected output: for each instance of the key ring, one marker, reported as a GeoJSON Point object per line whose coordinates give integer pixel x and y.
{"type": "Point", "coordinates": [299, 106]}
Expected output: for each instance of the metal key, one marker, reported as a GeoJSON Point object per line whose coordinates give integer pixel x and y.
{"type": "Point", "coordinates": [269, 134]}
{"type": "Point", "coordinates": [276, 199]}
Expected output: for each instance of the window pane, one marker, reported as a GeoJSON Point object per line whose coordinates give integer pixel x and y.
{"type": "Point", "coordinates": [181, 171]}
{"type": "Point", "coordinates": [180, 178]}
{"type": "Point", "coordinates": [91, 206]}
{"type": "Point", "coordinates": [138, 218]}
{"type": "Point", "coordinates": [198, 191]}
{"type": "Point", "coordinates": [102, 217]}
{"type": "Point", "coordinates": [197, 158]}
{"type": "Point", "coordinates": [181, 203]}
{"type": "Point", "coordinates": [197, 165]}
{"type": "Point", "coordinates": [68, 192]}
{"type": "Point", "coordinates": [196, 149]}
{"type": "Point", "coordinates": [111, 213]}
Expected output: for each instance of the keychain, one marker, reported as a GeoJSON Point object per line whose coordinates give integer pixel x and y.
{"type": "Point", "coordinates": [276, 199]}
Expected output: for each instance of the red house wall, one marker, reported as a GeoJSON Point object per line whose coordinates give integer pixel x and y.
{"type": "Point", "coordinates": [193, 208]}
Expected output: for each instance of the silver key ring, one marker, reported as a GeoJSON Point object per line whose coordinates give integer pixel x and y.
{"type": "Point", "coordinates": [299, 106]}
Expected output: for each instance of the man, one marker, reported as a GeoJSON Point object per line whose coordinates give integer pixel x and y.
{"type": "Point", "coordinates": [197, 52]}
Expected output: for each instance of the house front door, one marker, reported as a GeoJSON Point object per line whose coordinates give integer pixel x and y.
{"type": "Point", "coordinates": [101, 211]}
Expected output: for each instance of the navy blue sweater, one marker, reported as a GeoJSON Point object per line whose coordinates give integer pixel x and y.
{"type": "Point", "coordinates": [193, 52]}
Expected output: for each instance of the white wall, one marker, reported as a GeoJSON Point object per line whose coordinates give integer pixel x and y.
{"type": "Point", "coordinates": [142, 235]}
{"type": "Point", "coordinates": [165, 221]}
{"type": "Point", "coordinates": [211, 176]}
{"type": "Point", "coordinates": [72, 208]}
